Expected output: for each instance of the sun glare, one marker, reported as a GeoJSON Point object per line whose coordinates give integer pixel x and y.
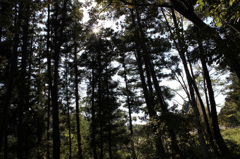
{"type": "Point", "coordinates": [96, 30]}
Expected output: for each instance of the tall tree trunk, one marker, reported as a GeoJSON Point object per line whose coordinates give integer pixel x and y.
{"type": "Point", "coordinates": [55, 109]}
{"type": "Point", "coordinates": [209, 133]}
{"type": "Point", "coordinates": [188, 12]}
{"type": "Point", "coordinates": [134, 156]}
{"type": "Point", "coordinates": [109, 140]}
{"type": "Point", "coordinates": [160, 97]}
{"type": "Point", "coordinates": [23, 80]}
{"type": "Point", "coordinates": [49, 68]}
{"type": "Point", "coordinates": [58, 41]}
{"type": "Point", "coordinates": [93, 125]}
{"type": "Point", "coordinates": [69, 130]}
{"type": "Point", "coordinates": [210, 136]}
{"type": "Point", "coordinates": [77, 105]}
{"type": "Point", "coordinates": [109, 119]}
{"type": "Point", "coordinates": [193, 101]}
{"type": "Point", "coordinates": [11, 75]}
{"type": "Point", "coordinates": [206, 96]}
{"type": "Point", "coordinates": [219, 139]}
{"type": "Point", "coordinates": [158, 141]}
{"type": "Point", "coordinates": [6, 145]}
{"type": "Point", "coordinates": [100, 104]}
{"type": "Point", "coordinates": [195, 109]}
{"type": "Point", "coordinates": [68, 108]}
{"type": "Point", "coordinates": [185, 9]}
{"type": "Point", "coordinates": [147, 60]}
{"type": "Point", "coordinates": [101, 120]}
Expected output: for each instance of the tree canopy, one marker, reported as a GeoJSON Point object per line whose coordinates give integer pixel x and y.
{"type": "Point", "coordinates": [142, 88]}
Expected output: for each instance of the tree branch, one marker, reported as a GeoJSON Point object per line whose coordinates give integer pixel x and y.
{"type": "Point", "coordinates": [148, 4]}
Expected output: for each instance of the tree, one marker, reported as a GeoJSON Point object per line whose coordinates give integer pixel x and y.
{"type": "Point", "coordinates": [48, 57]}
{"type": "Point", "coordinates": [59, 22]}
{"type": "Point", "coordinates": [229, 114]}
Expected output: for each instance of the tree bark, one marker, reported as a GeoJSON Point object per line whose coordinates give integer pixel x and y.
{"type": "Point", "coordinates": [23, 80]}
{"type": "Point", "coordinates": [11, 76]}
{"type": "Point", "coordinates": [193, 101]}
{"type": "Point", "coordinates": [134, 156]}
{"type": "Point", "coordinates": [49, 68]}
{"type": "Point", "coordinates": [219, 139]}
{"type": "Point", "coordinates": [206, 96]}
{"type": "Point", "coordinates": [93, 125]}
{"type": "Point", "coordinates": [77, 105]}
{"type": "Point", "coordinates": [68, 108]}
{"type": "Point", "coordinates": [6, 146]}
{"type": "Point", "coordinates": [58, 41]}
{"type": "Point", "coordinates": [196, 112]}
{"type": "Point", "coordinates": [158, 141]}
{"type": "Point", "coordinates": [185, 9]}
{"type": "Point", "coordinates": [55, 109]}
{"type": "Point", "coordinates": [158, 90]}
{"type": "Point", "coordinates": [210, 136]}
{"type": "Point", "coordinates": [100, 102]}
{"type": "Point", "coordinates": [109, 118]}
{"type": "Point", "coordinates": [205, 117]}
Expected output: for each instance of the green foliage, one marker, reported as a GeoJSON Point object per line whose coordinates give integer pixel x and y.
{"type": "Point", "coordinates": [222, 11]}
{"type": "Point", "coordinates": [232, 134]}
{"type": "Point", "coordinates": [232, 138]}
{"type": "Point", "coordinates": [184, 129]}
{"type": "Point", "coordinates": [229, 115]}
{"type": "Point", "coordinates": [144, 141]}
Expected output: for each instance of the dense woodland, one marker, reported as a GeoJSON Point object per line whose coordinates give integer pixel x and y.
{"type": "Point", "coordinates": [73, 88]}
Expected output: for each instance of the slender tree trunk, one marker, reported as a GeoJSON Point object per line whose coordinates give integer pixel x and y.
{"type": "Point", "coordinates": [93, 125]}
{"type": "Point", "coordinates": [58, 41]}
{"type": "Point", "coordinates": [158, 141]}
{"type": "Point", "coordinates": [150, 65]}
{"type": "Point", "coordinates": [100, 111]}
{"type": "Point", "coordinates": [6, 145]}
{"type": "Point", "coordinates": [109, 119]}
{"type": "Point", "coordinates": [69, 130]}
{"type": "Point", "coordinates": [187, 11]}
{"type": "Point", "coordinates": [134, 156]}
{"type": "Point", "coordinates": [206, 96]}
{"type": "Point", "coordinates": [209, 133]}
{"type": "Point", "coordinates": [48, 121]}
{"type": "Point", "coordinates": [110, 139]}
{"type": "Point", "coordinates": [148, 62]}
{"type": "Point", "coordinates": [101, 124]}
{"type": "Point", "coordinates": [196, 112]}
{"type": "Point", "coordinates": [193, 101]}
{"type": "Point", "coordinates": [49, 68]}
{"type": "Point", "coordinates": [68, 108]}
{"type": "Point", "coordinates": [23, 81]}
{"type": "Point", "coordinates": [77, 105]}
{"type": "Point", "coordinates": [55, 109]}
{"type": "Point", "coordinates": [54, 91]}
{"type": "Point", "coordinates": [219, 139]}
{"type": "Point", "coordinates": [11, 76]}
{"type": "Point", "coordinates": [210, 136]}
